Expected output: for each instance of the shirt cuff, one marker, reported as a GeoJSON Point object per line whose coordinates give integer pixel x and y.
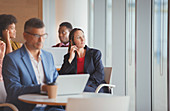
{"type": "Point", "coordinates": [41, 86]}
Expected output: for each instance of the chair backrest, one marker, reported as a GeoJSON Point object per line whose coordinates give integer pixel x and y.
{"type": "Point", "coordinates": [107, 74]}
{"type": "Point", "coordinates": [2, 92]}
{"type": "Point", "coordinates": [114, 103]}
{"type": "Point", "coordinates": [3, 96]}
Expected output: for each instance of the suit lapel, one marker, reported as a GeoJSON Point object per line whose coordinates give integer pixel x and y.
{"type": "Point", "coordinates": [75, 62]}
{"type": "Point", "coordinates": [28, 65]}
{"type": "Point", "coordinates": [87, 59]}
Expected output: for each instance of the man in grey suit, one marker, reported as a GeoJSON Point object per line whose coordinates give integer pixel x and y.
{"type": "Point", "coordinates": [28, 69]}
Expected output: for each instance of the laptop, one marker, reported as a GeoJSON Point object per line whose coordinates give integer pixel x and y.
{"type": "Point", "coordinates": [71, 84]}
{"type": "Point", "coordinates": [58, 54]}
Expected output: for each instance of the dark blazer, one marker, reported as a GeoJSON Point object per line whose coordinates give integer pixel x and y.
{"type": "Point", "coordinates": [19, 76]}
{"type": "Point", "coordinates": [92, 65]}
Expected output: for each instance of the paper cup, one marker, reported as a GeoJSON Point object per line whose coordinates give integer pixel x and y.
{"type": "Point", "coordinates": [52, 91]}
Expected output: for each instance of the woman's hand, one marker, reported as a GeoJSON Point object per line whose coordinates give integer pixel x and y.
{"type": "Point", "coordinates": [73, 49]}
{"type": "Point", "coordinates": [2, 49]}
{"type": "Point", "coordinates": [6, 35]}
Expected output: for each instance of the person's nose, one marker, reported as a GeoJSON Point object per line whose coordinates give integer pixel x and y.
{"type": "Point", "coordinates": [41, 39]}
{"type": "Point", "coordinates": [60, 34]}
{"type": "Point", "coordinates": [82, 38]}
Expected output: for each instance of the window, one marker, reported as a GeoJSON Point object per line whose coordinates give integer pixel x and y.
{"type": "Point", "coordinates": [130, 52]}
{"type": "Point", "coordinates": [100, 28]}
{"type": "Point", "coordinates": [159, 55]}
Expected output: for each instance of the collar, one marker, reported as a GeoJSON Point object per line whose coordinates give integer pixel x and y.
{"type": "Point", "coordinates": [31, 57]}
{"type": "Point", "coordinates": [62, 44]}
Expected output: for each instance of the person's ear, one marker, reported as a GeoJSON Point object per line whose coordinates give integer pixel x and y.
{"type": "Point", "coordinates": [24, 35]}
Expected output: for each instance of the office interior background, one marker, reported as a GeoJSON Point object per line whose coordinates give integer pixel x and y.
{"type": "Point", "coordinates": [133, 36]}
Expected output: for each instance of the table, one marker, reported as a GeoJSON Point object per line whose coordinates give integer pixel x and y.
{"type": "Point", "coordinates": [60, 100]}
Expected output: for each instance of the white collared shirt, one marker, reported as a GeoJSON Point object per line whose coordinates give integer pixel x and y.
{"type": "Point", "coordinates": [38, 67]}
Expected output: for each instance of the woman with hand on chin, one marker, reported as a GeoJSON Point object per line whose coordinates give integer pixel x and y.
{"type": "Point", "coordinates": [8, 32]}
{"type": "Point", "coordinates": [81, 59]}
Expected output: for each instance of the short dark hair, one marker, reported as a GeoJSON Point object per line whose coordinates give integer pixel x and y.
{"type": "Point", "coordinates": [5, 21]}
{"type": "Point", "coordinates": [33, 23]}
{"type": "Point", "coordinates": [67, 24]}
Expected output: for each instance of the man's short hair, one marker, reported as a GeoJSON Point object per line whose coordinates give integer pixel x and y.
{"type": "Point", "coordinates": [33, 23]}
{"type": "Point", "coordinates": [67, 24]}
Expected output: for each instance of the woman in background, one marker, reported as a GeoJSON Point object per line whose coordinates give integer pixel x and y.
{"type": "Point", "coordinates": [8, 32]}
{"type": "Point", "coordinates": [81, 59]}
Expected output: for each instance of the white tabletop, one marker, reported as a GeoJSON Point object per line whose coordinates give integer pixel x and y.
{"type": "Point", "coordinates": [60, 100]}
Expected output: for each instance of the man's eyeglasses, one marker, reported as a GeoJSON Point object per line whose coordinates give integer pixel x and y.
{"type": "Point", "coordinates": [38, 36]}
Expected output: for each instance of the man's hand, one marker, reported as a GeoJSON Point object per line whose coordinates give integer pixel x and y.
{"type": "Point", "coordinates": [44, 87]}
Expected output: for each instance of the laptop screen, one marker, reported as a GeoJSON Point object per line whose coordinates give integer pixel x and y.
{"type": "Point", "coordinates": [71, 84]}
{"type": "Point", "coordinates": [58, 54]}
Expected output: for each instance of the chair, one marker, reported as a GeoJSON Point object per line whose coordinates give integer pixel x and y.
{"type": "Point", "coordinates": [3, 98]}
{"type": "Point", "coordinates": [113, 103]}
{"type": "Point", "coordinates": [107, 77]}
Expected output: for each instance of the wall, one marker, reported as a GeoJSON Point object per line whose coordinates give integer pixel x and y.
{"type": "Point", "coordinates": [49, 18]}
{"type": "Point", "coordinates": [118, 48]}
{"type": "Point", "coordinates": [57, 11]}
{"type": "Point", "coordinates": [73, 11]}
